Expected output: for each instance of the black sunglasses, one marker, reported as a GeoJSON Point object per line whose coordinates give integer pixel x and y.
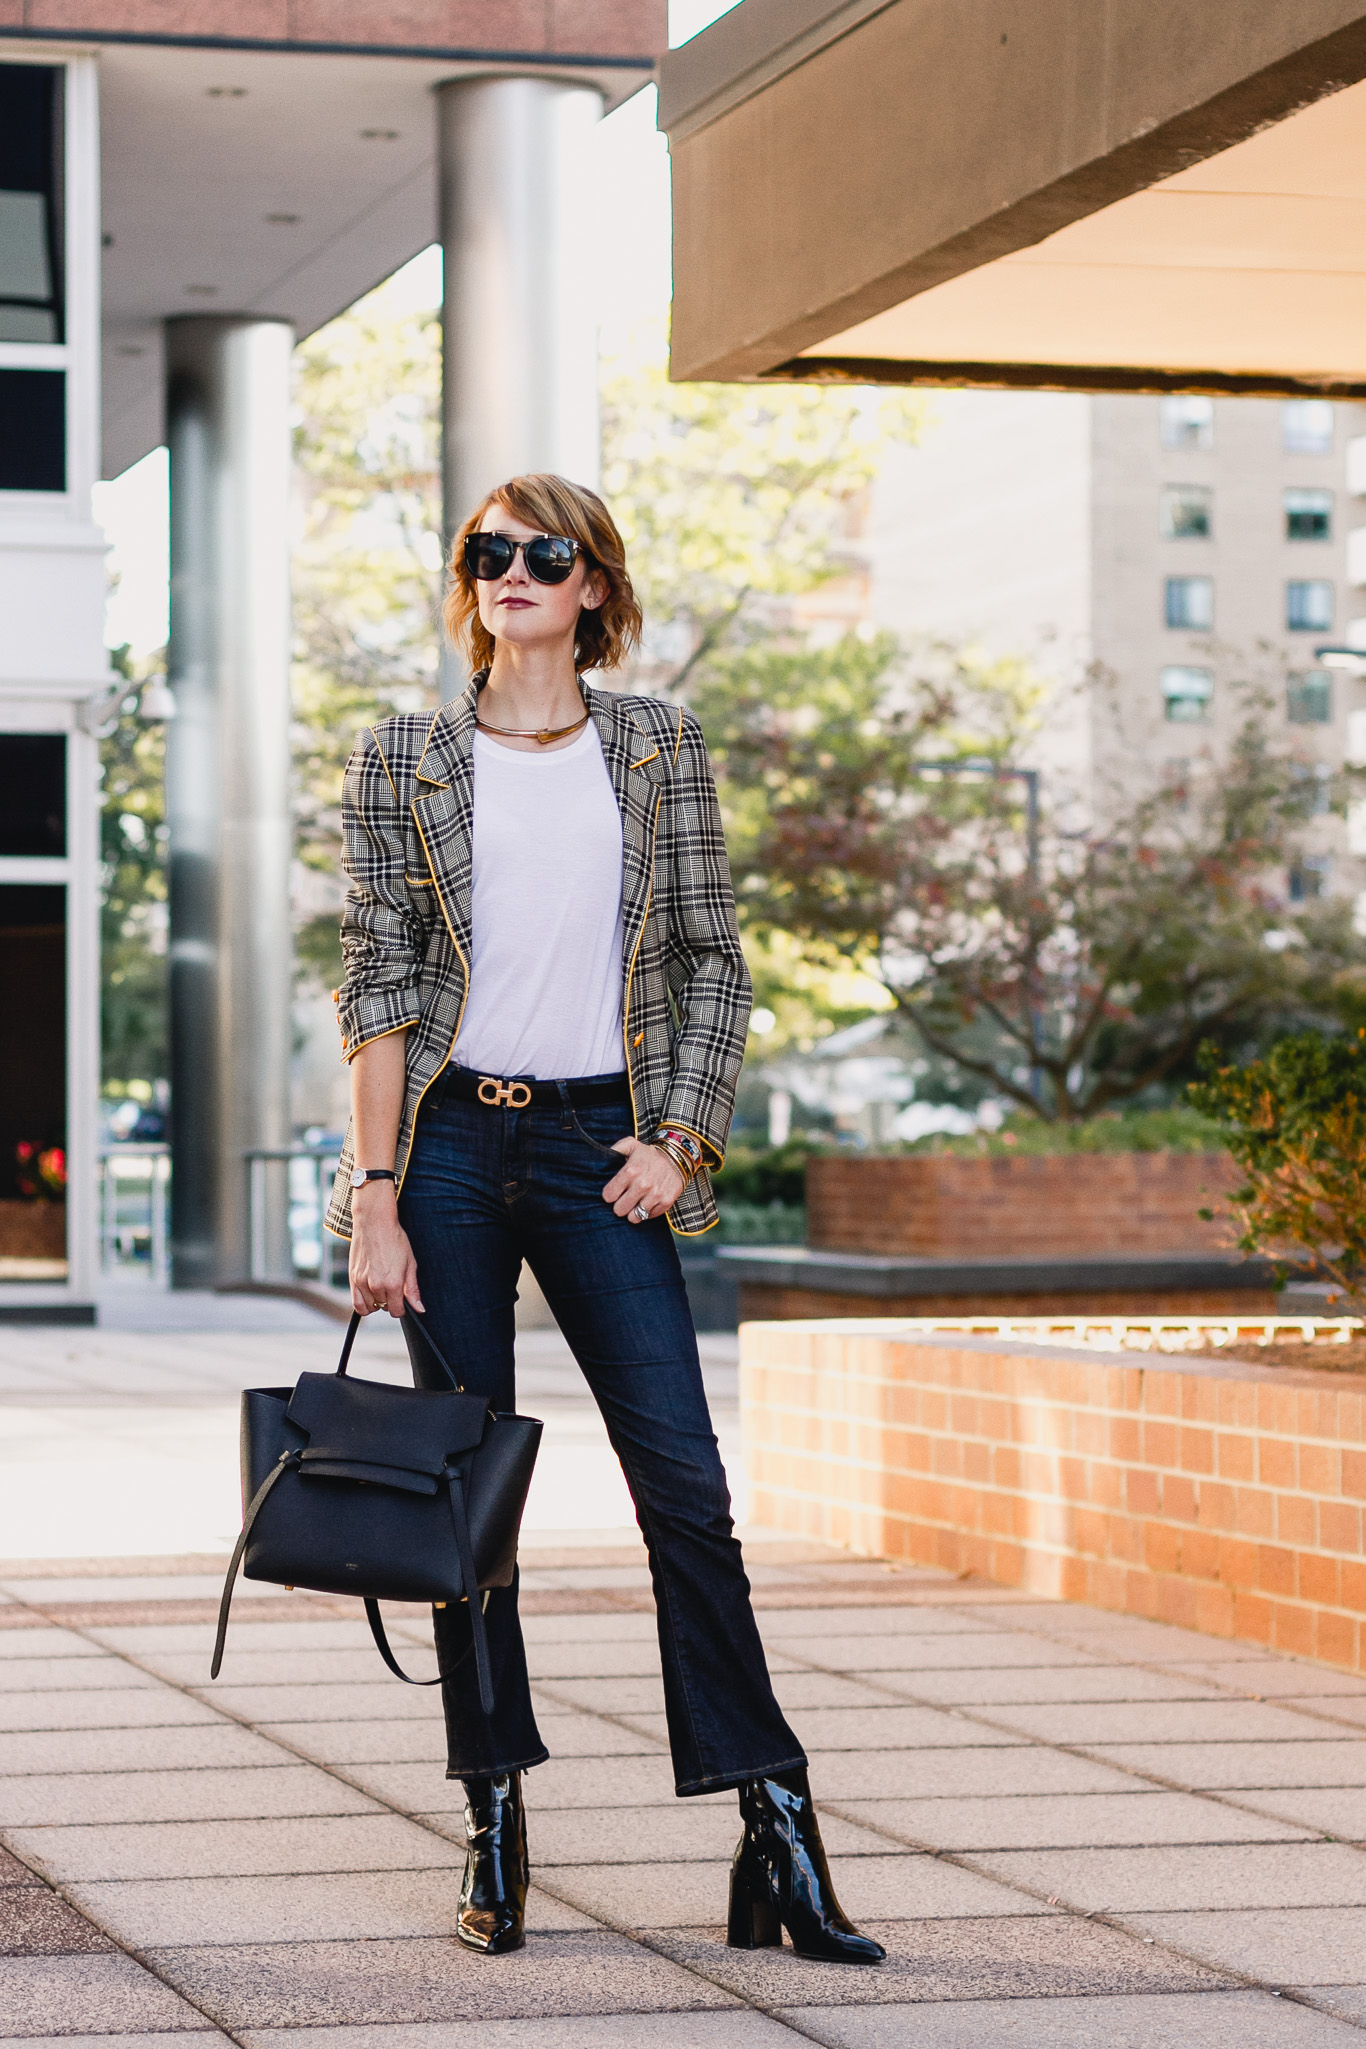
{"type": "Point", "coordinates": [549, 558]}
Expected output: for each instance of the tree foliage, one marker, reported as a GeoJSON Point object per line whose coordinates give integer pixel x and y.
{"type": "Point", "coordinates": [366, 568]}
{"type": "Point", "coordinates": [875, 814]}
{"type": "Point", "coordinates": [735, 500]}
{"type": "Point", "coordinates": [1296, 1124]}
{"type": "Point", "coordinates": [133, 889]}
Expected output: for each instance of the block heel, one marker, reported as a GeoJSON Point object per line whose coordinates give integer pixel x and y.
{"type": "Point", "coordinates": [754, 1921]}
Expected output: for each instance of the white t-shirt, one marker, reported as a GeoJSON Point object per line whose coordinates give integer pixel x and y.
{"type": "Point", "coordinates": [546, 971]}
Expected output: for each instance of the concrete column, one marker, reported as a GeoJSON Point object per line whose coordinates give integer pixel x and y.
{"type": "Point", "coordinates": [521, 244]}
{"type": "Point", "coordinates": [227, 784]}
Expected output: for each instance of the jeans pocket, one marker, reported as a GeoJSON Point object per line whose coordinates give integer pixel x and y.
{"type": "Point", "coordinates": [604, 1119]}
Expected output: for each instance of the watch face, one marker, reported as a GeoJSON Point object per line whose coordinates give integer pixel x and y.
{"type": "Point", "coordinates": [358, 1178]}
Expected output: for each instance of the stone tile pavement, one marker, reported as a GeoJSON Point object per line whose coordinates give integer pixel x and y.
{"type": "Point", "coordinates": [1069, 1828]}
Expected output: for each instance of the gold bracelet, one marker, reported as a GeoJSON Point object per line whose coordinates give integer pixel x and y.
{"type": "Point", "coordinates": [686, 1167]}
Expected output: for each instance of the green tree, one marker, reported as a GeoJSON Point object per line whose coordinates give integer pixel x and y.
{"type": "Point", "coordinates": [1070, 968]}
{"type": "Point", "coordinates": [367, 568]}
{"type": "Point", "coordinates": [735, 500]}
{"type": "Point", "coordinates": [133, 887]}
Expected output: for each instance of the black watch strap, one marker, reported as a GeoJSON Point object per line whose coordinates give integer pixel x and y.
{"type": "Point", "coordinates": [373, 1174]}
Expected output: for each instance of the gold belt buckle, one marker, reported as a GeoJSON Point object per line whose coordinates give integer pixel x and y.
{"type": "Point", "coordinates": [512, 1095]}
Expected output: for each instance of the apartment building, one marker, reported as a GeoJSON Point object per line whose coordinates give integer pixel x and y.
{"type": "Point", "coordinates": [1157, 559]}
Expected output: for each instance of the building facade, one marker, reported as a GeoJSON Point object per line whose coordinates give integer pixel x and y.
{"type": "Point", "coordinates": [183, 192]}
{"type": "Point", "coordinates": [1159, 560]}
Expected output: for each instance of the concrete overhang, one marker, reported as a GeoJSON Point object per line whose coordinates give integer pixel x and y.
{"type": "Point", "coordinates": [282, 176]}
{"type": "Point", "coordinates": [1125, 195]}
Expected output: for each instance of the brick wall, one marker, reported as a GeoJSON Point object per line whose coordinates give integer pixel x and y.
{"type": "Point", "coordinates": [1066, 1204]}
{"type": "Point", "coordinates": [761, 1303]}
{"type": "Point", "coordinates": [1216, 1494]}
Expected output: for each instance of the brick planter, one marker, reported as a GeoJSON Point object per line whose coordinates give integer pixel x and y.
{"type": "Point", "coordinates": [1217, 1494]}
{"type": "Point", "coordinates": [1063, 1205]}
{"type": "Point", "coordinates": [32, 1230]}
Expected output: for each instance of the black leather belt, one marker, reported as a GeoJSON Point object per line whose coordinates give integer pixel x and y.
{"type": "Point", "coordinates": [498, 1092]}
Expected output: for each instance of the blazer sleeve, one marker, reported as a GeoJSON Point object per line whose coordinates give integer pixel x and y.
{"type": "Point", "coordinates": [383, 935]}
{"type": "Point", "coordinates": [707, 976]}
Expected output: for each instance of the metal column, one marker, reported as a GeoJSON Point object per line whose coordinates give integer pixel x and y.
{"type": "Point", "coordinates": [227, 782]}
{"type": "Point", "coordinates": [519, 325]}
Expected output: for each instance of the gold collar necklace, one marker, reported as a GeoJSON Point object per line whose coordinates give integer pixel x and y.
{"type": "Point", "coordinates": [543, 738]}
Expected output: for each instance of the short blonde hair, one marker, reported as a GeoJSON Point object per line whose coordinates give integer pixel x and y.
{"type": "Point", "coordinates": [553, 505]}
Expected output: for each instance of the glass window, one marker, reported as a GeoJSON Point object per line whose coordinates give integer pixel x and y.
{"type": "Point", "coordinates": [33, 1100]}
{"type": "Point", "coordinates": [1308, 515]}
{"type": "Point", "coordinates": [1307, 426]}
{"type": "Point", "coordinates": [30, 227]}
{"type": "Point", "coordinates": [1187, 512]}
{"type": "Point", "coordinates": [1186, 693]}
{"type": "Point", "coordinates": [1309, 698]}
{"type": "Point", "coordinates": [1187, 422]}
{"type": "Point", "coordinates": [32, 430]}
{"type": "Point", "coordinates": [1308, 877]}
{"type": "Point", "coordinates": [32, 795]}
{"type": "Point", "coordinates": [1189, 602]}
{"type": "Point", "coordinates": [1309, 607]}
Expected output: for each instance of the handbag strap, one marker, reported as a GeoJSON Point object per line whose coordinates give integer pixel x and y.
{"type": "Point", "coordinates": [282, 1465]}
{"type": "Point", "coordinates": [411, 1322]}
{"type": "Point", "coordinates": [455, 1495]}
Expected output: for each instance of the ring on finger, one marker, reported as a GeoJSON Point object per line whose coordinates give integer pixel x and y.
{"type": "Point", "coordinates": [640, 1214]}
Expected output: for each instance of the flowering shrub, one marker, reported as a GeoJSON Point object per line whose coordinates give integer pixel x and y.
{"type": "Point", "coordinates": [41, 1170]}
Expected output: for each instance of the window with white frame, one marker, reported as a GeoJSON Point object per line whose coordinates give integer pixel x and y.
{"type": "Point", "coordinates": [1186, 693]}
{"type": "Point", "coordinates": [1187, 512]}
{"type": "Point", "coordinates": [1308, 515]}
{"type": "Point", "coordinates": [32, 395]}
{"type": "Point", "coordinates": [1309, 698]}
{"type": "Point", "coordinates": [1188, 602]}
{"type": "Point", "coordinates": [1187, 421]}
{"type": "Point", "coordinates": [1309, 877]}
{"type": "Point", "coordinates": [1307, 426]}
{"type": "Point", "coordinates": [1308, 606]}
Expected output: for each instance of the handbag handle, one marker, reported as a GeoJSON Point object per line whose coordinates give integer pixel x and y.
{"type": "Point", "coordinates": [410, 1322]}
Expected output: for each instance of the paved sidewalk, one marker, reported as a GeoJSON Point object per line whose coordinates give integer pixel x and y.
{"type": "Point", "coordinates": [1069, 1828]}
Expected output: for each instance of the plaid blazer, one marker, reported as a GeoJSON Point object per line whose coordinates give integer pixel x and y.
{"type": "Point", "coordinates": [407, 819]}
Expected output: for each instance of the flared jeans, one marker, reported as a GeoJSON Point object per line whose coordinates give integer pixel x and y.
{"type": "Point", "coordinates": [488, 1187]}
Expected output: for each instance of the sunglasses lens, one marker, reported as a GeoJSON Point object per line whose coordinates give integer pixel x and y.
{"type": "Point", "coordinates": [549, 558]}
{"type": "Point", "coordinates": [487, 556]}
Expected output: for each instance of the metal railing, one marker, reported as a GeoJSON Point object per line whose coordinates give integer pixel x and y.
{"type": "Point", "coordinates": [135, 1209]}
{"type": "Point", "coordinates": [308, 1176]}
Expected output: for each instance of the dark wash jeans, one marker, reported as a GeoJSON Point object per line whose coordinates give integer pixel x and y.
{"type": "Point", "coordinates": [485, 1189]}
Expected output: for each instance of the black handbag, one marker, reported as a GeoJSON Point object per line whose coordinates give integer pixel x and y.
{"type": "Point", "coordinates": [391, 1493]}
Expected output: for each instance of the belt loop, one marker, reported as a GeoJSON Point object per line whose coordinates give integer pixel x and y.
{"type": "Point", "coordinates": [566, 1107]}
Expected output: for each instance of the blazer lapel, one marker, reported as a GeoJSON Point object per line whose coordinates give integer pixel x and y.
{"type": "Point", "coordinates": [443, 811]}
{"type": "Point", "coordinates": [638, 772]}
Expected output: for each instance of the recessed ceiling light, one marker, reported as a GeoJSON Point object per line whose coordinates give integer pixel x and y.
{"type": "Point", "coordinates": [379, 135]}
{"type": "Point", "coordinates": [281, 220]}
{"type": "Point", "coordinates": [225, 92]}
{"type": "Point", "coordinates": [202, 291]}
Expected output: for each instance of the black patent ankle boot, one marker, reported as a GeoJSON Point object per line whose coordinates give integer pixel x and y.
{"type": "Point", "coordinates": [780, 1878]}
{"type": "Point", "coordinates": [493, 1896]}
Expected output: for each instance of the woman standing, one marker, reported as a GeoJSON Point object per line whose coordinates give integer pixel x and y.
{"type": "Point", "coordinates": [544, 1008]}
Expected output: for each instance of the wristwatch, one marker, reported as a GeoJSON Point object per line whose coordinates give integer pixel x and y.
{"type": "Point", "coordinates": [364, 1174]}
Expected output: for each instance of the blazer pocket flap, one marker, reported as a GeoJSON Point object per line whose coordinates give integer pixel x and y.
{"type": "Point", "coordinates": [415, 1428]}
